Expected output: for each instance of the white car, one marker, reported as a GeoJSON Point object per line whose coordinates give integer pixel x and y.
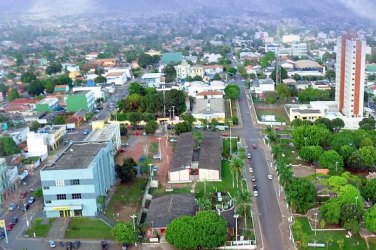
{"type": "Point", "coordinates": [270, 177]}
{"type": "Point", "coordinates": [249, 156]}
{"type": "Point", "coordinates": [255, 193]}
{"type": "Point", "coordinates": [251, 170]}
{"type": "Point", "coordinates": [156, 157]}
{"type": "Point", "coordinates": [52, 243]}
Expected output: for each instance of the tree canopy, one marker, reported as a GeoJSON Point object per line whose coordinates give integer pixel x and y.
{"type": "Point", "coordinates": [124, 233]}
{"type": "Point", "coordinates": [333, 161]}
{"type": "Point", "coordinates": [300, 194]}
{"type": "Point", "coordinates": [8, 146]}
{"type": "Point", "coordinates": [126, 172]}
{"type": "Point", "coordinates": [232, 91]}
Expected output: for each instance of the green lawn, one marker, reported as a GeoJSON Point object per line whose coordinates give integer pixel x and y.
{"type": "Point", "coordinates": [40, 230]}
{"type": "Point", "coordinates": [226, 145]}
{"type": "Point", "coordinates": [88, 228]}
{"type": "Point", "coordinates": [279, 113]}
{"type": "Point", "coordinates": [332, 238]}
{"type": "Point", "coordinates": [126, 195]}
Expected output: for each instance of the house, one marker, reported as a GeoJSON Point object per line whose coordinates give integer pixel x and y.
{"type": "Point", "coordinates": [91, 56]}
{"type": "Point", "coordinates": [152, 52]}
{"type": "Point", "coordinates": [106, 132]}
{"type": "Point", "coordinates": [81, 100]}
{"type": "Point", "coordinates": [153, 79]}
{"type": "Point", "coordinates": [249, 69]}
{"type": "Point", "coordinates": [185, 70]}
{"type": "Point", "coordinates": [262, 85]}
{"type": "Point", "coordinates": [164, 209]}
{"type": "Point", "coordinates": [47, 105]}
{"type": "Point", "coordinates": [106, 63]}
{"type": "Point", "coordinates": [72, 184]}
{"type": "Point", "coordinates": [19, 135]}
{"type": "Point", "coordinates": [118, 76]}
{"type": "Point", "coordinates": [212, 69]}
{"type": "Point", "coordinates": [320, 85]}
{"type": "Point", "coordinates": [209, 109]}
{"type": "Point", "coordinates": [23, 106]}
{"type": "Point", "coordinates": [189, 165]}
{"type": "Point", "coordinates": [172, 58]}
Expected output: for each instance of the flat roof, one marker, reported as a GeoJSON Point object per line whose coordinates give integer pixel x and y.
{"type": "Point", "coordinates": [183, 152]}
{"type": "Point", "coordinates": [78, 155]}
{"type": "Point", "coordinates": [102, 134]}
{"type": "Point", "coordinates": [307, 111]}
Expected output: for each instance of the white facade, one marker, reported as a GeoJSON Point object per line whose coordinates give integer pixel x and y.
{"type": "Point", "coordinates": [185, 69]}
{"type": "Point", "coordinates": [153, 79]}
{"type": "Point", "coordinates": [212, 58]}
{"type": "Point", "coordinates": [98, 92]}
{"type": "Point", "coordinates": [19, 135]}
{"type": "Point", "coordinates": [196, 87]}
{"type": "Point", "coordinates": [273, 47]}
{"type": "Point", "coordinates": [118, 76]}
{"type": "Point", "coordinates": [37, 144]}
{"type": "Point", "coordinates": [179, 176]}
{"type": "Point", "coordinates": [350, 75]}
{"type": "Point", "coordinates": [208, 174]}
{"type": "Point", "coordinates": [263, 85]}
{"type": "Point", "coordinates": [290, 38]}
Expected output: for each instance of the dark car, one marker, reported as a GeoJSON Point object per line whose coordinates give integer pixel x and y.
{"type": "Point", "coordinates": [25, 206]}
{"type": "Point", "coordinates": [76, 244]}
{"type": "Point", "coordinates": [14, 220]}
{"type": "Point", "coordinates": [10, 226]}
{"type": "Point", "coordinates": [69, 245]}
{"type": "Point", "coordinates": [104, 244]}
{"type": "Point", "coordinates": [2, 234]}
{"type": "Point", "coordinates": [23, 194]}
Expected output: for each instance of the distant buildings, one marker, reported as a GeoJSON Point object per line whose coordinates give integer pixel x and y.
{"type": "Point", "coordinates": [172, 58]}
{"type": "Point", "coordinates": [81, 100]}
{"type": "Point", "coordinates": [212, 58]}
{"type": "Point", "coordinates": [153, 80]}
{"type": "Point", "coordinates": [350, 72]}
{"type": "Point", "coordinates": [290, 38]}
{"type": "Point", "coordinates": [74, 182]}
{"type": "Point", "coordinates": [261, 86]}
{"type": "Point", "coordinates": [185, 70]}
{"type": "Point", "coordinates": [4, 181]}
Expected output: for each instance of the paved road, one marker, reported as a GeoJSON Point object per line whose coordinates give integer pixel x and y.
{"type": "Point", "coordinates": [269, 214]}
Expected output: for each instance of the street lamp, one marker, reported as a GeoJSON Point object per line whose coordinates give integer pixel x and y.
{"type": "Point", "coordinates": [316, 213]}
{"type": "Point", "coordinates": [134, 223]}
{"type": "Point", "coordinates": [236, 216]}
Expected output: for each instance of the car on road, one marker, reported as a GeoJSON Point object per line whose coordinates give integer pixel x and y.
{"type": "Point", "coordinates": [69, 245]}
{"type": "Point", "coordinates": [251, 170]}
{"type": "Point", "coordinates": [12, 206]}
{"type": "Point", "coordinates": [199, 126]}
{"type": "Point", "coordinates": [104, 245]}
{"type": "Point", "coordinates": [76, 244]}
{"type": "Point", "coordinates": [52, 243]}
{"type": "Point", "coordinates": [123, 246]}
{"type": "Point", "coordinates": [125, 144]}
{"type": "Point", "coordinates": [173, 140]}
{"type": "Point", "coordinates": [156, 157]}
{"type": "Point", "coordinates": [10, 226]}
{"type": "Point", "coordinates": [249, 156]}
{"type": "Point", "coordinates": [2, 234]}
{"type": "Point", "coordinates": [25, 206]}
{"type": "Point", "coordinates": [23, 194]}
{"type": "Point", "coordinates": [270, 177]}
{"type": "Point", "coordinates": [254, 146]}
{"type": "Point", "coordinates": [31, 200]}
{"type": "Point", "coordinates": [86, 132]}
{"type": "Point", "coordinates": [14, 220]}
{"type": "Point", "coordinates": [253, 179]}
{"type": "Point", "coordinates": [255, 193]}
{"type": "Point", "coordinates": [255, 187]}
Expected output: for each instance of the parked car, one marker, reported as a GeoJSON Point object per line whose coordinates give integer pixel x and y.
{"type": "Point", "coordinates": [173, 140]}
{"type": "Point", "coordinates": [125, 144]}
{"type": "Point", "coordinates": [52, 243]}
{"type": "Point", "coordinates": [26, 206]}
{"type": "Point", "coordinates": [251, 170]}
{"type": "Point", "coordinates": [123, 246]}
{"type": "Point", "coordinates": [270, 177]}
{"type": "Point", "coordinates": [104, 244]}
{"type": "Point", "coordinates": [2, 234]}
{"type": "Point", "coordinates": [86, 132]}
{"type": "Point", "coordinates": [253, 179]}
{"type": "Point", "coordinates": [76, 244]}
{"type": "Point", "coordinates": [249, 156]}
{"type": "Point", "coordinates": [14, 220]}
{"type": "Point", "coordinates": [254, 146]}
{"type": "Point", "coordinates": [31, 200]}
{"type": "Point", "coordinates": [12, 206]}
{"type": "Point", "coordinates": [23, 194]}
{"type": "Point", "coordinates": [156, 157]}
{"type": "Point", "coordinates": [69, 245]}
{"type": "Point", "coordinates": [255, 193]}
{"type": "Point", "coordinates": [10, 226]}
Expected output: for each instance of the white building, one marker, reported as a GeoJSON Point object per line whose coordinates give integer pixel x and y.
{"type": "Point", "coordinates": [106, 132]}
{"type": "Point", "coordinates": [153, 79]}
{"type": "Point", "coordinates": [263, 85]}
{"type": "Point", "coordinates": [350, 72]}
{"type": "Point", "coordinates": [185, 70]}
{"type": "Point", "coordinates": [213, 69]}
{"type": "Point", "coordinates": [273, 47]}
{"type": "Point", "coordinates": [19, 135]}
{"type": "Point", "coordinates": [118, 76]}
{"type": "Point", "coordinates": [290, 38]}
{"type": "Point", "coordinates": [98, 91]}
{"type": "Point", "coordinates": [197, 86]}
{"type": "Point", "coordinates": [212, 58]}
{"type": "Point", "coordinates": [298, 49]}
{"type": "Point", "coordinates": [208, 109]}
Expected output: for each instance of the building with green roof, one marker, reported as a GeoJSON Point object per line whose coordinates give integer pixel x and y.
{"type": "Point", "coordinates": [172, 58]}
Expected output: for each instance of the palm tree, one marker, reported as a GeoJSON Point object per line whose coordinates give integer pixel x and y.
{"type": "Point", "coordinates": [241, 153]}
{"type": "Point", "coordinates": [236, 164]}
{"type": "Point", "coordinates": [242, 200]}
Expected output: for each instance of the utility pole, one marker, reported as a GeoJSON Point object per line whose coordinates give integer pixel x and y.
{"type": "Point", "coordinates": [170, 113]}
{"type": "Point", "coordinates": [164, 100]}
{"type": "Point", "coordinates": [173, 112]}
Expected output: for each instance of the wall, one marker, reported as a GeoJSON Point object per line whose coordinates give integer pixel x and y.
{"type": "Point", "coordinates": [179, 176]}
{"type": "Point", "coordinates": [208, 174]}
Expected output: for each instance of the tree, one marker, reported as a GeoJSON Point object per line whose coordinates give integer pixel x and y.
{"type": "Point", "coordinates": [212, 229]}
{"type": "Point", "coordinates": [282, 75]}
{"type": "Point", "coordinates": [123, 130]}
{"type": "Point", "coordinates": [326, 122]}
{"type": "Point", "coordinates": [350, 216]}
{"type": "Point", "coordinates": [188, 118]}
{"type": "Point", "coordinates": [34, 126]}
{"type": "Point", "coordinates": [235, 120]}
{"type": "Point", "coordinates": [242, 203]}
{"type": "Point", "coordinates": [182, 233]}
{"type": "Point", "coordinates": [124, 233]}
{"type": "Point", "coordinates": [136, 88]}
{"type": "Point", "coordinates": [64, 79]}
{"type": "Point", "coordinates": [8, 146]}
{"type": "Point", "coordinates": [35, 88]}
{"type": "Point", "coordinates": [369, 191]}
{"type": "Point", "coordinates": [49, 85]}
{"type": "Point", "coordinates": [54, 68]}
{"type": "Point", "coordinates": [13, 94]}
{"type": "Point", "coordinates": [134, 117]}
{"type": "Point", "coordinates": [183, 127]}
{"type": "Point", "coordinates": [333, 161]}
{"type": "Point", "coordinates": [330, 74]}
{"type": "Point", "coordinates": [300, 194]}
{"type": "Point", "coordinates": [151, 127]}
{"type": "Point", "coordinates": [38, 193]}
{"type": "Point", "coordinates": [59, 120]}
{"type": "Point", "coordinates": [368, 155]}
{"type": "Point", "coordinates": [197, 78]}
{"type": "Point", "coordinates": [311, 135]}
{"type": "Point", "coordinates": [296, 123]}
{"type": "Point", "coordinates": [133, 102]}
{"type": "Point", "coordinates": [170, 73]}
{"type": "Point", "coordinates": [28, 77]}
{"type": "Point", "coordinates": [100, 79]}
{"type": "Point", "coordinates": [370, 219]}
{"type": "Point", "coordinates": [355, 161]}
{"type": "Point", "coordinates": [175, 98]}
{"type": "Point", "coordinates": [126, 172]}
{"type": "Point", "coordinates": [217, 77]}
{"type": "Point", "coordinates": [311, 94]}
{"type": "Point", "coordinates": [236, 165]}
{"type": "Point", "coordinates": [232, 91]}
{"type": "Point", "coordinates": [283, 91]}
{"type": "Point", "coordinates": [367, 124]}
{"type": "Point", "coordinates": [341, 139]}
{"type": "Point", "coordinates": [336, 182]}
{"type": "Point", "coordinates": [366, 142]}
{"type": "Point", "coordinates": [331, 211]}
{"type": "Point", "coordinates": [310, 153]}
{"type": "Point", "coordinates": [346, 151]}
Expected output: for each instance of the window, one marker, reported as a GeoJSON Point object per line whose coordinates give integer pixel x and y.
{"type": "Point", "coordinates": [76, 196]}
{"type": "Point", "coordinates": [47, 202]}
{"type": "Point", "coordinates": [59, 183]}
{"type": "Point", "coordinates": [45, 188]}
{"type": "Point", "coordinates": [61, 196]}
{"type": "Point", "coordinates": [75, 182]}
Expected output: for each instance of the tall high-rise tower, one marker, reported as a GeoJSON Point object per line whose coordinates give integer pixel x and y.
{"type": "Point", "coordinates": [350, 71]}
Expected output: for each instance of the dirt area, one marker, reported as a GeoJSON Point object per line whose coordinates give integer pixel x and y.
{"type": "Point", "coordinates": [302, 171]}
{"type": "Point", "coordinates": [136, 149]}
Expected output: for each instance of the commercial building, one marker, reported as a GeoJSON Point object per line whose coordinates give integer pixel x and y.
{"type": "Point", "coordinates": [153, 80]}
{"type": "Point", "coordinates": [291, 38]}
{"type": "Point", "coordinates": [350, 72]}
{"type": "Point", "coordinates": [118, 76]}
{"type": "Point", "coordinates": [81, 100]}
{"type": "Point", "coordinates": [258, 87]}
{"type": "Point", "coordinates": [172, 58]}
{"type": "Point", "coordinates": [185, 70]}
{"type": "Point", "coordinates": [106, 132]}
{"type": "Point", "coordinates": [47, 104]}
{"type": "Point", "coordinates": [73, 183]}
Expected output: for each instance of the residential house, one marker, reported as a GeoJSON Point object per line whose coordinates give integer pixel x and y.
{"type": "Point", "coordinates": [23, 106]}
{"type": "Point", "coordinates": [61, 88]}
{"type": "Point", "coordinates": [106, 63]}
{"type": "Point", "coordinates": [72, 184]}
{"type": "Point", "coordinates": [212, 58]}
{"type": "Point", "coordinates": [209, 95]}
{"type": "Point", "coordinates": [81, 100]}
{"type": "Point", "coordinates": [259, 87]}
{"type": "Point", "coordinates": [118, 76]}
{"type": "Point", "coordinates": [212, 69]}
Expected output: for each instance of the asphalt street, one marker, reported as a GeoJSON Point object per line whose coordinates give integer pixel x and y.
{"type": "Point", "coordinates": [268, 211]}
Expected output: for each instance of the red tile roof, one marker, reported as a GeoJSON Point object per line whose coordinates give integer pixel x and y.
{"type": "Point", "coordinates": [209, 93]}
{"type": "Point", "coordinates": [24, 101]}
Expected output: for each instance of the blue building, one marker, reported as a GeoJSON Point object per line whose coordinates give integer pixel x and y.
{"type": "Point", "coordinates": [73, 183]}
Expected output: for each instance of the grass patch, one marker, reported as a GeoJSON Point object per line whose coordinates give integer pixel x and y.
{"type": "Point", "coordinates": [278, 112]}
{"type": "Point", "coordinates": [87, 228]}
{"type": "Point", "coordinates": [329, 238]}
{"type": "Point", "coordinates": [153, 149]}
{"type": "Point", "coordinates": [226, 145]}
{"type": "Point", "coordinates": [40, 230]}
{"type": "Point", "coordinates": [129, 194]}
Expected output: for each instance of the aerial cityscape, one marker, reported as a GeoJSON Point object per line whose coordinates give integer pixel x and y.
{"type": "Point", "coordinates": [194, 124]}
